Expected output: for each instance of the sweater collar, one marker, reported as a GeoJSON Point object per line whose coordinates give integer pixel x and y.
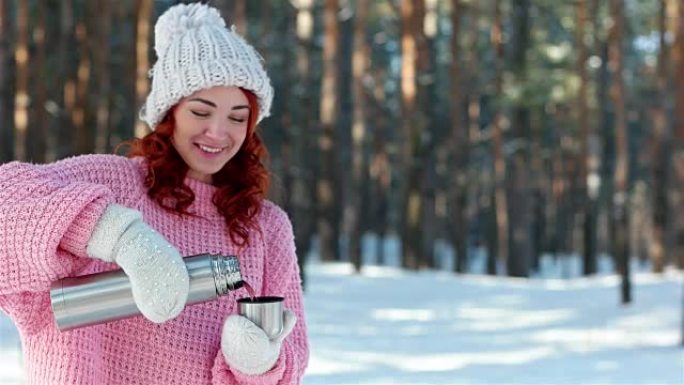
{"type": "Point", "coordinates": [204, 193]}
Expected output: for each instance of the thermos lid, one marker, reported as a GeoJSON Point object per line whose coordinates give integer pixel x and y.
{"type": "Point", "coordinates": [227, 275]}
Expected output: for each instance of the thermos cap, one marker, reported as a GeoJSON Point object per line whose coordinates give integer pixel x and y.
{"type": "Point", "coordinates": [227, 275]}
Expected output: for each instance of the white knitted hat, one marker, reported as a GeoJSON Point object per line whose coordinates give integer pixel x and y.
{"type": "Point", "coordinates": [196, 51]}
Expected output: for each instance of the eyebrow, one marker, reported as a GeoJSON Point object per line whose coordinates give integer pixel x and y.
{"type": "Point", "coordinates": [212, 104]}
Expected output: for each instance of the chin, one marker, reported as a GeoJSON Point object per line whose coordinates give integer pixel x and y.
{"type": "Point", "coordinates": [203, 170]}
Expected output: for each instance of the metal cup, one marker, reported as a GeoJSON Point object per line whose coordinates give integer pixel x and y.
{"type": "Point", "coordinates": [265, 312]}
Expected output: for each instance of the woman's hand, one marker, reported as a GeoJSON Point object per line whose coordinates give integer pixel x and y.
{"type": "Point", "coordinates": [159, 278]}
{"type": "Point", "coordinates": [247, 348]}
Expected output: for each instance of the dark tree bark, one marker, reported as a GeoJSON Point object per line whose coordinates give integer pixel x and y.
{"type": "Point", "coordinates": [410, 140]}
{"type": "Point", "coordinates": [37, 130]}
{"type": "Point", "coordinates": [660, 153]}
{"type": "Point", "coordinates": [101, 59]}
{"type": "Point", "coordinates": [21, 93]}
{"type": "Point", "coordinates": [6, 126]}
{"type": "Point", "coordinates": [84, 135]}
{"type": "Point", "coordinates": [621, 179]}
{"type": "Point", "coordinates": [425, 30]}
{"type": "Point", "coordinates": [459, 144]}
{"type": "Point", "coordinates": [520, 208]}
{"type": "Point", "coordinates": [587, 197]}
{"type": "Point", "coordinates": [499, 249]}
{"type": "Point", "coordinates": [379, 168]}
{"type": "Point", "coordinates": [474, 185]}
{"type": "Point", "coordinates": [303, 195]}
{"type": "Point", "coordinates": [359, 181]}
{"type": "Point", "coordinates": [327, 186]}
{"type": "Point", "coordinates": [677, 187]}
{"type": "Point", "coordinates": [66, 86]}
{"type": "Point", "coordinates": [143, 29]}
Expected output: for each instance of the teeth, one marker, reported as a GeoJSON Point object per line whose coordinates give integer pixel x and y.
{"type": "Point", "coordinates": [210, 149]}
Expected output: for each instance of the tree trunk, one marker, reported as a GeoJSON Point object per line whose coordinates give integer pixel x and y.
{"type": "Point", "coordinates": [425, 29]}
{"type": "Point", "coordinates": [37, 130]}
{"type": "Point", "coordinates": [500, 200]}
{"type": "Point", "coordinates": [6, 128]}
{"type": "Point", "coordinates": [677, 177]}
{"type": "Point", "coordinates": [380, 172]}
{"type": "Point", "coordinates": [538, 186]}
{"type": "Point", "coordinates": [606, 147]}
{"type": "Point", "coordinates": [621, 180]}
{"type": "Point", "coordinates": [142, 59]}
{"type": "Point", "coordinates": [410, 191]}
{"type": "Point", "coordinates": [459, 144]}
{"type": "Point", "coordinates": [594, 180]}
{"type": "Point", "coordinates": [677, 197]}
{"type": "Point", "coordinates": [102, 77]}
{"type": "Point", "coordinates": [303, 195]}
{"type": "Point", "coordinates": [66, 98]}
{"type": "Point", "coordinates": [587, 194]}
{"type": "Point", "coordinates": [520, 231]}
{"type": "Point", "coordinates": [328, 226]}
{"type": "Point", "coordinates": [557, 218]}
{"type": "Point", "coordinates": [360, 64]}
{"type": "Point", "coordinates": [474, 184]}
{"type": "Point", "coordinates": [21, 95]}
{"type": "Point", "coordinates": [239, 16]}
{"type": "Point", "coordinates": [235, 13]}
{"type": "Point", "coordinates": [285, 113]}
{"type": "Point", "coordinates": [660, 151]}
{"type": "Point", "coordinates": [83, 132]}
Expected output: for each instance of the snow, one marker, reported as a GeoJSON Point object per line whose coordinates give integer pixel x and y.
{"type": "Point", "coordinates": [392, 327]}
{"type": "Point", "coordinates": [388, 326]}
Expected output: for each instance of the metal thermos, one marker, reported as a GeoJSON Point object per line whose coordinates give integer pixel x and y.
{"type": "Point", "coordinates": [104, 297]}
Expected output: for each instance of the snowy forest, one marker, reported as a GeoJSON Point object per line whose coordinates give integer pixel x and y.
{"type": "Point", "coordinates": [524, 127]}
{"type": "Point", "coordinates": [432, 155]}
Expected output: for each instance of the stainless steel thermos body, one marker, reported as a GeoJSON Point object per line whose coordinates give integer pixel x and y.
{"type": "Point", "coordinates": [104, 297]}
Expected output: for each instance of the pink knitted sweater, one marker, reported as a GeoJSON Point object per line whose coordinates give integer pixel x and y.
{"type": "Point", "coordinates": [47, 214]}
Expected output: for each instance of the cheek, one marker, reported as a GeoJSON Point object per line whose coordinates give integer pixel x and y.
{"type": "Point", "coordinates": [182, 134]}
{"type": "Point", "coordinates": [242, 135]}
{"type": "Point", "coordinates": [177, 141]}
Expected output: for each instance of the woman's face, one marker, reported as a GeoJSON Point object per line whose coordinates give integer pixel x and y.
{"type": "Point", "coordinates": [211, 125]}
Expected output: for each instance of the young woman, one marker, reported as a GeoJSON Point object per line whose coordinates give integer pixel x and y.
{"type": "Point", "coordinates": [195, 185]}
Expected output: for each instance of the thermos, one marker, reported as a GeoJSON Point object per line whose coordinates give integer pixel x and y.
{"type": "Point", "coordinates": [104, 297]}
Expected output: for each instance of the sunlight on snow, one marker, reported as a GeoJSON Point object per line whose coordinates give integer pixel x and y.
{"type": "Point", "coordinates": [404, 314]}
{"type": "Point", "coordinates": [491, 319]}
{"type": "Point", "coordinates": [328, 362]}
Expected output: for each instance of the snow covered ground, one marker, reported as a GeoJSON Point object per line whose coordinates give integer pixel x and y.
{"type": "Point", "coordinates": [392, 327]}
{"type": "Point", "coordinates": [387, 326]}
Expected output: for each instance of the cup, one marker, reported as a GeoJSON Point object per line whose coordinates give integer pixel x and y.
{"type": "Point", "coordinates": [265, 312]}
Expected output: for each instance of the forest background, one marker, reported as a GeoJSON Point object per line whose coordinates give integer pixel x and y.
{"type": "Point", "coordinates": [520, 128]}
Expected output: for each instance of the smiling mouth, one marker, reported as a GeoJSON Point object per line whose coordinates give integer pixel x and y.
{"type": "Point", "coordinates": [209, 149]}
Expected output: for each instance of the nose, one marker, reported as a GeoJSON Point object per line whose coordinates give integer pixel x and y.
{"type": "Point", "coordinates": [216, 130]}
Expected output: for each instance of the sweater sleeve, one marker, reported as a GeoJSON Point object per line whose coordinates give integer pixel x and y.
{"type": "Point", "coordinates": [281, 278]}
{"type": "Point", "coordinates": [47, 213]}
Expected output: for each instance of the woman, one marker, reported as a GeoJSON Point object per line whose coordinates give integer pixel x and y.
{"type": "Point", "coordinates": [195, 185]}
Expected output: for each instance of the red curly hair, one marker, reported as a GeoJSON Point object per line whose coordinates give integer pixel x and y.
{"type": "Point", "coordinates": [243, 182]}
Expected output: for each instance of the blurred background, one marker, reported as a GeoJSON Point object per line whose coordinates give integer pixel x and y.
{"type": "Point", "coordinates": [520, 138]}
{"type": "Point", "coordinates": [522, 126]}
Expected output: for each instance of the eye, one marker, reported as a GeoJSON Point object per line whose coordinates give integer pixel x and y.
{"type": "Point", "coordinates": [237, 119]}
{"type": "Point", "coordinates": [200, 114]}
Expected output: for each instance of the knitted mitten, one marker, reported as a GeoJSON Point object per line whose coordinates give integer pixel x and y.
{"type": "Point", "coordinates": [247, 348]}
{"type": "Point", "coordinates": [159, 279]}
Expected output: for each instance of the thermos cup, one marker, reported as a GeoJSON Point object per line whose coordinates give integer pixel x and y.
{"type": "Point", "coordinates": [104, 297]}
{"type": "Point", "coordinates": [265, 312]}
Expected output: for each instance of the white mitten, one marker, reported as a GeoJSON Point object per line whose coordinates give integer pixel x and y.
{"type": "Point", "coordinates": [158, 276]}
{"type": "Point", "coordinates": [247, 348]}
